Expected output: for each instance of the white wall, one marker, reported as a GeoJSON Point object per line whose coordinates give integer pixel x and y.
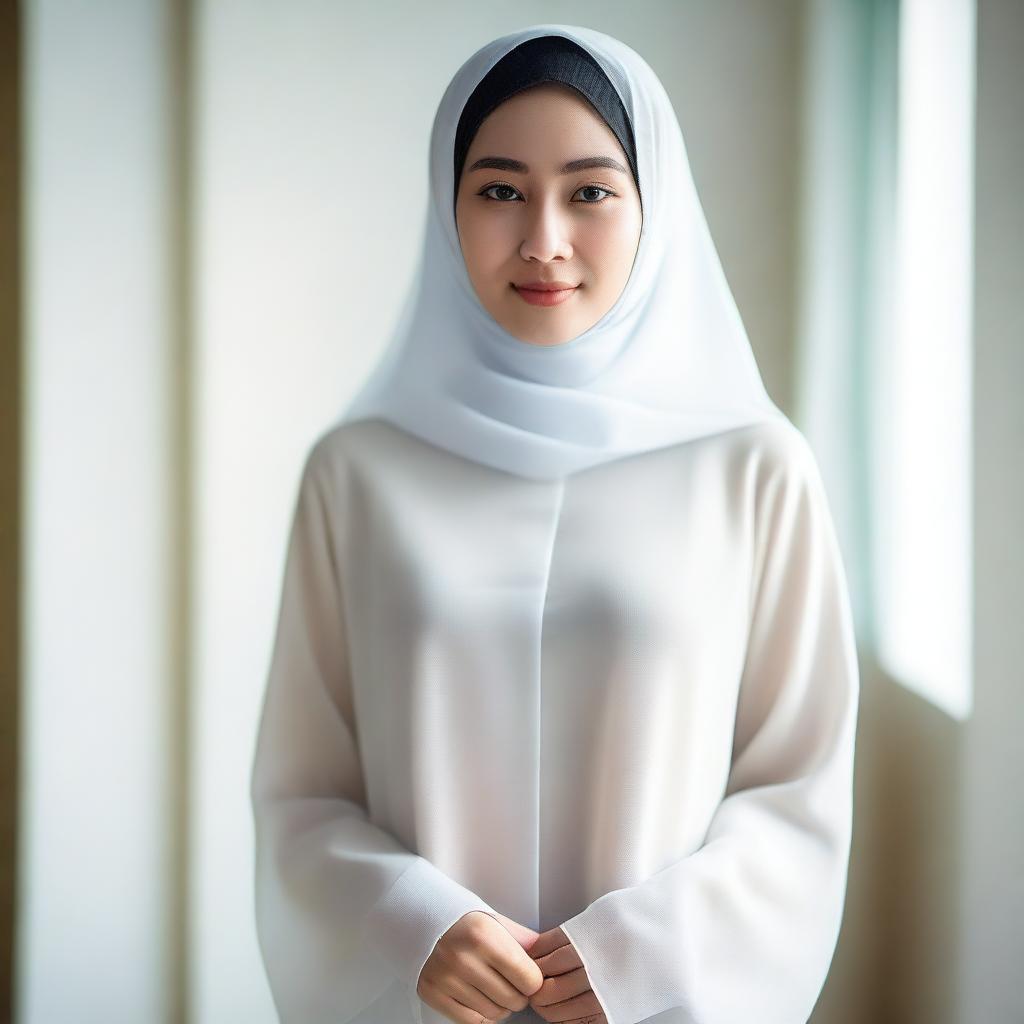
{"type": "Point", "coordinates": [991, 847]}
{"type": "Point", "coordinates": [94, 902]}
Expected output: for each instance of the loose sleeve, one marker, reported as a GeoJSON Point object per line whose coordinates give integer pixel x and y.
{"type": "Point", "coordinates": [343, 909]}
{"type": "Point", "coordinates": [744, 929]}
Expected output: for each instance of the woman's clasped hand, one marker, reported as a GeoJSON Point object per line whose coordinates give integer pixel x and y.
{"type": "Point", "coordinates": [485, 967]}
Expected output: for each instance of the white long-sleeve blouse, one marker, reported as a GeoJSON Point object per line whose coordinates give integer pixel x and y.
{"type": "Point", "coordinates": [623, 702]}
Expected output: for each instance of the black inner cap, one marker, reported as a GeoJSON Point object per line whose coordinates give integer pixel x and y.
{"type": "Point", "coordinates": [537, 60]}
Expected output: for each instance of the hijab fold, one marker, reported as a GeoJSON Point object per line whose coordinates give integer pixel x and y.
{"type": "Point", "coordinates": [669, 362]}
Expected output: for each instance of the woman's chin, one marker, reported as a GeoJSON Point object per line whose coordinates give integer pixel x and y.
{"type": "Point", "coordinates": [542, 341]}
{"type": "Point", "coordinates": [539, 333]}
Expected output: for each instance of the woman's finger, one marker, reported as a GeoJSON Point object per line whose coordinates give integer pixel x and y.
{"type": "Point", "coordinates": [559, 988]}
{"type": "Point", "coordinates": [581, 1006]}
{"type": "Point", "coordinates": [559, 961]}
{"type": "Point", "coordinates": [493, 985]}
{"type": "Point", "coordinates": [462, 1003]}
{"type": "Point", "coordinates": [548, 941]}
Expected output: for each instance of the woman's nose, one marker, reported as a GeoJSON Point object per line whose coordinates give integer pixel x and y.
{"type": "Point", "coordinates": [546, 232]}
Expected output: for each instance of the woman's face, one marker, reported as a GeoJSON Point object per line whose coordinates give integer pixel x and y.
{"type": "Point", "coordinates": [521, 220]}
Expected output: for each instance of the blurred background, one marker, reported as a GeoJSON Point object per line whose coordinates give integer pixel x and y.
{"type": "Point", "coordinates": [208, 214]}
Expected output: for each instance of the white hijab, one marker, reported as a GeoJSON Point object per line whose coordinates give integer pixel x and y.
{"type": "Point", "coordinates": [668, 362]}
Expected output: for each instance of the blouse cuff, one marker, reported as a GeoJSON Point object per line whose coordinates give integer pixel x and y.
{"type": "Point", "coordinates": [603, 960]}
{"type": "Point", "coordinates": [406, 923]}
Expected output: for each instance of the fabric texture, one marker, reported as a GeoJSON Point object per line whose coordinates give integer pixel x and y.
{"type": "Point", "coordinates": [622, 702]}
{"type": "Point", "coordinates": [670, 361]}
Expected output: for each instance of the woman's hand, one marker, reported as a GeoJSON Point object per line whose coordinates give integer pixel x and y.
{"type": "Point", "coordinates": [526, 937]}
{"type": "Point", "coordinates": [566, 995]}
{"type": "Point", "coordinates": [480, 967]}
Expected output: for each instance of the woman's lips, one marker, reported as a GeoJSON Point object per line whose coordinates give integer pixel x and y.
{"type": "Point", "coordinates": [544, 297]}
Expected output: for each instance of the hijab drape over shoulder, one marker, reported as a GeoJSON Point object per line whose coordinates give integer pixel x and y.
{"type": "Point", "coordinates": [668, 362]}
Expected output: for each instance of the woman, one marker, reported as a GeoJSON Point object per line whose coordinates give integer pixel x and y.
{"type": "Point", "coordinates": [559, 722]}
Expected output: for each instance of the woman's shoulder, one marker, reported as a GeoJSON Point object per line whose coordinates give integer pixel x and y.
{"type": "Point", "coordinates": [326, 467]}
{"type": "Point", "coordinates": [771, 465]}
{"type": "Point", "coordinates": [766, 449]}
{"type": "Point", "coordinates": [337, 446]}
{"type": "Point", "coordinates": [781, 472]}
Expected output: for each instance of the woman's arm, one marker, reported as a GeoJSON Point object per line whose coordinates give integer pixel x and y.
{"type": "Point", "coordinates": [343, 909]}
{"type": "Point", "coordinates": [745, 928]}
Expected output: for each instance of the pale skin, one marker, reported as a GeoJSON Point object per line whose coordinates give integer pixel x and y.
{"type": "Point", "coordinates": [485, 967]}
{"type": "Point", "coordinates": [516, 226]}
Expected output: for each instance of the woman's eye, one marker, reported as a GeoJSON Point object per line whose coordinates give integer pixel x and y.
{"type": "Point", "coordinates": [492, 188]}
{"type": "Point", "coordinates": [586, 188]}
{"type": "Point", "coordinates": [594, 188]}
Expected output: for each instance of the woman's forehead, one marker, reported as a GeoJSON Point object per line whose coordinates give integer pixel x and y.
{"type": "Point", "coordinates": [542, 120]}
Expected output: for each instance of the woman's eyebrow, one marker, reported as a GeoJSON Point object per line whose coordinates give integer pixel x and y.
{"type": "Point", "coordinates": [504, 163]}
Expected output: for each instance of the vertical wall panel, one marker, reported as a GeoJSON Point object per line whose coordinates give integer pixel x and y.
{"type": "Point", "coordinates": [93, 939]}
{"type": "Point", "coordinates": [992, 830]}
{"type": "Point", "coordinates": [10, 485]}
